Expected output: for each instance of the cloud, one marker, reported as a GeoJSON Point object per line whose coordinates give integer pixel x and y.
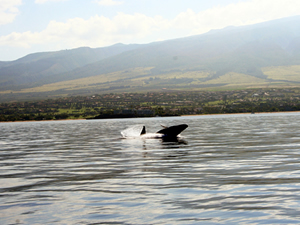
{"type": "Point", "coordinates": [44, 1]}
{"type": "Point", "coordinates": [241, 13]}
{"type": "Point", "coordinates": [100, 31]}
{"type": "Point", "coordinates": [96, 31]}
{"type": "Point", "coordinates": [8, 10]}
{"type": "Point", "coordinates": [108, 2]}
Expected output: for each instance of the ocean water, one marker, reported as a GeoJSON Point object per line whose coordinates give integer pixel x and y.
{"type": "Point", "coordinates": [225, 169]}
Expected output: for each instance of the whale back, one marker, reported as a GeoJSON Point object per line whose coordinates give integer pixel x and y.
{"type": "Point", "coordinates": [173, 131]}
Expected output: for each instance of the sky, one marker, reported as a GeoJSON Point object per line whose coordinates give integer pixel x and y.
{"type": "Point", "coordinates": [29, 26]}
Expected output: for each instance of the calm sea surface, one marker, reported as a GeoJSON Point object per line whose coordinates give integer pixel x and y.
{"type": "Point", "coordinates": [226, 169]}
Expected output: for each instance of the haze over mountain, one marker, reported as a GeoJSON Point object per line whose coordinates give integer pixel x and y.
{"type": "Point", "coordinates": [266, 54]}
{"type": "Point", "coordinates": [34, 67]}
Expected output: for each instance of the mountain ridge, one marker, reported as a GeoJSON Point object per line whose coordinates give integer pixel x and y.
{"type": "Point", "coordinates": [244, 50]}
{"type": "Point", "coordinates": [36, 66]}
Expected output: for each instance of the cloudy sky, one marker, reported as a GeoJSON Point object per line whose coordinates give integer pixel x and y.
{"type": "Point", "coordinates": [28, 26]}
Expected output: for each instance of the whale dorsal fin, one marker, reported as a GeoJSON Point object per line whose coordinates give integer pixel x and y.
{"type": "Point", "coordinates": [144, 130]}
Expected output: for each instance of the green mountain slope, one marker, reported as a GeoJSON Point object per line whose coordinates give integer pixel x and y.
{"type": "Point", "coordinates": [26, 71]}
{"type": "Point", "coordinates": [234, 57]}
{"type": "Point", "coordinates": [241, 49]}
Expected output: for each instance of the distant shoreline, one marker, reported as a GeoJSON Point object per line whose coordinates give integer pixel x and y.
{"type": "Point", "coordinates": [24, 121]}
{"type": "Point", "coordinates": [216, 114]}
{"type": "Point", "coordinates": [242, 113]}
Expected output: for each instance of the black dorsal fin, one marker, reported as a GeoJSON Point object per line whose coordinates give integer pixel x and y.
{"type": "Point", "coordinates": [144, 130]}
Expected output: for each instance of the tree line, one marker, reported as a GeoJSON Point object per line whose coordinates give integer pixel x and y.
{"type": "Point", "coordinates": [171, 103]}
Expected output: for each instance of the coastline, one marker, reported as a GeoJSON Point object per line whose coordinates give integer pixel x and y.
{"type": "Point", "coordinates": [24, 121]}
{"type": "Point", "coordinates": [247, 113]}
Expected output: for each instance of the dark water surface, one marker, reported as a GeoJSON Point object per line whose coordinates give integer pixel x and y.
{"type": "Point", "coordinates": [228, 169]}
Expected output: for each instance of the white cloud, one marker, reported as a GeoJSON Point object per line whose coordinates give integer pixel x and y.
{"type": "Point", "coordinates": [100, 31]}
{"type": "Point", "coordinates": [242, 13]}
{"type": "Point", "coordinates": [108, 2]}
{"type": "Point", "coordinates": [8, 10]}
{"type": "Point", "coordinates": [44, 1]}
{"type": "Point", "coordinates": [96, 31]}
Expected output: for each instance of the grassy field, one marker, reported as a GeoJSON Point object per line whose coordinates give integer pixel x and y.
{"type": "Point", "coordinates": [142, 80]}
{"type": "Point", "coordinates": [89, 82]}
{"type": "Point", "coordinates": [288, 73]}
{"type": "Point", "coordinates": [236, 79]}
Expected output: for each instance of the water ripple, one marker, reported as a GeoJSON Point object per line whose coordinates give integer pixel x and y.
{"type": "Point", "coordinates": [226, 169]}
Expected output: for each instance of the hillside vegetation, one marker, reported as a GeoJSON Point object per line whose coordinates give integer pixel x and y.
{"type": "Point", "coordinates": [128, 105]}
{"type": "Point", "coordinates": [261, 55]}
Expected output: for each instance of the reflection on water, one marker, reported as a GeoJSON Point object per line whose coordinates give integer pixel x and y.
{"type": "Point", "coordinates": [226, 169]}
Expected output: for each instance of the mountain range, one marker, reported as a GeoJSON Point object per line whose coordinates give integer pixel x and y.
{"type": "Point", "coordinates": [260, 55]}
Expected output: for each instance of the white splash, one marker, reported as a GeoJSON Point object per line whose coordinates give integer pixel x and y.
{"type": "Point", "coordinates": [132, 132]}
